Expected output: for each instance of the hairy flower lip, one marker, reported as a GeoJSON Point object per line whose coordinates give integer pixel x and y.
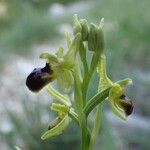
{"type": "Point", "coordinates": [39, 78]}
{"type": "Point", "coordinates": [126, 104]}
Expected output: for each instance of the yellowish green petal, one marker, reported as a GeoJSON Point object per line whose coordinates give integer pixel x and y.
{"type": "Point", "coordinates": [58, 129]}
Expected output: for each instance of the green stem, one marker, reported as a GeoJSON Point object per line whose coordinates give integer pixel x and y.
{"type": "Point", "coordinates": [87, 78]}
{"type": "Point", "coordinates": [85, 66]}
{"type": "Point", "coordinates": [96, 127]}
{"type": "Point", "coordinates": [85, 85]}
{"type": "Point", "coordinates": [79, 110]}
{"type": "Point", "coordinates": [82, 53]}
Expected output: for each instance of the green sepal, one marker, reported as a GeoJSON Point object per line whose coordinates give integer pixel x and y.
{"type": "Point", "coordinates": [49, 57]}
{"type": "Point", "coordinates": [65, 80]}
{"type": "Point", "coordinates": [77, 28]}
{"type": "Point", "coordinates": [85, 29]}
{"type": "Point", "coordinates": [58, 129]}
{"type": "Point", "coordinates": [104, 82]}
{"type": "Point", "coordinates": [60, 108]}
{"type": "Point", "coordinates": [69, 58]}
{"type": "Point", "coordinates": [60, 52]}
{"type": "Point", "coordinates": [125, 82]}
{"type": "Point", "coordinates": [73, 49]}
{"type": "Point", "coordinates": [115, 92]}
{"type": "Point", "coordinates": [58, 96]}
{"type": "Point", "coordinates": [68, 38]}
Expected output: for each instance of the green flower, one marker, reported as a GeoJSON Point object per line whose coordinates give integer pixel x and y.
{"type": "Point", "coordinates": [58, 66]}
{"type": "Point", "coordinates": [57, 126]}
{"type": "Point", "coordinates": [120, 104]}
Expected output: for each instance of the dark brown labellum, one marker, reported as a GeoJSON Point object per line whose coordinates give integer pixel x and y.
{"type": "Point", "coordinates": [122, 96]}
{"type": "Point", "coordinates": [39, 77]}
{"type": "Point", "coordinates": [126, 104]}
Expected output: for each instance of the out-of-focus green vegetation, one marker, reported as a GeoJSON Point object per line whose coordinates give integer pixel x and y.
{"type": "Point", "coordinates": [127, 33]}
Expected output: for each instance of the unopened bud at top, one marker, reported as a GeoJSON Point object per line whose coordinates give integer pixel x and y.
{"type": "Point", "coordinates": [96, 38]}
{"type": "Point", "coordinates": [80, 26]}
{"type": "Point", "coordinates": [76, 25]}
{"type": "Point", "coordinates": [84, 31]}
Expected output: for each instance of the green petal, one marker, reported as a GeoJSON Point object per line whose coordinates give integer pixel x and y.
{"type": "Point", "coordinates": [105, 82]}
{"type": "Point", "coordinates": [58, 96]}
{"type": "Point", "coordinates": [65, 80]}
{"type": "Point", "coordinates": [116, 111]}
{"type": "Point", "coordinates": [58, 129]}
{"type": "Point", "coordinates": [70, 57]}
{"type": "Point", "coordinates": [60, 52]}
{"type": "Point", "coordinates": [68, 38]}
{"type": "Point", "coordinates": [77, 28]}
{"type": "Point", "coordinates": [60, 108]}
{"type": "Point", "coordinates": [123, 83]}
{"type": "Point", "coordinates": [49, 57]}
{"type": "Point", "coordinates": [116, 91]}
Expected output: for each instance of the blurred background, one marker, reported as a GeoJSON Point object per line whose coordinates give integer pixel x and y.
{"type": "Point", "coordinates": [30, 27]}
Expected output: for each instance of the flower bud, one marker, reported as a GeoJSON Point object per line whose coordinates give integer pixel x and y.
{"type": "Point", "coordinates": [77, 28]}
{"type": "Point", "coordinates": [39, 78]}
{"type": "Point", "coordinates": [84, 31]}
{"type": "Point", "coordinates": [92, 38]}
{"type": "Point", "coordinates": [95, 39]}
{"type": "Point", "coordinates": [80, 26]}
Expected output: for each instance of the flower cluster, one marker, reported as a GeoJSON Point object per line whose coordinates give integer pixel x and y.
{"type": "Point", "coordinates": [65, 68]}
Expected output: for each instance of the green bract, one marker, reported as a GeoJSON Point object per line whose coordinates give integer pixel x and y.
{"type": "Point", "coordinates": [62, 64]}
{"type": "Point", "coordinates": [65, 67]}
